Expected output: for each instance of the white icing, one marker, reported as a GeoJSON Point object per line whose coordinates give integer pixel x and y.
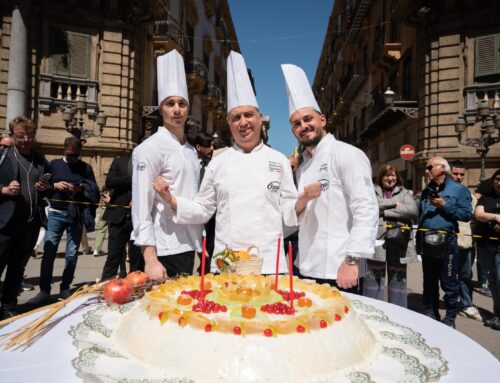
{"type": "Point", "coordinates": [185, 352]}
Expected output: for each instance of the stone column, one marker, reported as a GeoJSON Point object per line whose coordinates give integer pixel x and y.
{"type": "Point", "coordinates": [17, 85]}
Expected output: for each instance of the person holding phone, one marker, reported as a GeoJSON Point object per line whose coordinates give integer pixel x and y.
{"type": "Point", "coordinates": [73, 182]}
{"type": "Point", "coordinates": [21, 207]}
{"type": "Point", "coordinates": [443, 203]}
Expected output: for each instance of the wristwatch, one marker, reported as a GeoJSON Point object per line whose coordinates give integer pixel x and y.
{"type": "Point", "coordinates": [351, 261]}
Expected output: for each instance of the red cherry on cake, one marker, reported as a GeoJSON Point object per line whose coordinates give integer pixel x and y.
{"type": "Point", "coordinates": [301, 328]}
{"type": "Point", "coordinates": [237, 330]}
{"type": "Point", "coordinates": [208, 327]}
{"type": "Point", "coordinates": [337, 317]}
{"type": "Point", "coordinates": [323, 324]}
{"type": "Point", "coordinates": [346, 309]}
{"type": "Point", "coordinates": [118, 291]}
{"type": "Point", "coordinates": [268, 332]}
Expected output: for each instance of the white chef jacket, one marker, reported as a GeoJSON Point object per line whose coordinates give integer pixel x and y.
{"type": "Point", "coordinates": [344, 218]}
{"type": "Point", "coordinates": [253, 194]}
{"type": "Point", "coordinates": [163, 155]}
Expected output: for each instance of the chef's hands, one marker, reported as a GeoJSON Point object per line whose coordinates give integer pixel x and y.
{"type": "Point", "coordinates": [162, 187]}
{"type": "Point", "coordinates": [12, 189]}
{"type": "Point", "coordinates": [347, 276]}
{"type": "Point", "coordinates": [153, 267]}
{"type": "Point", "coordinates": [310, 192]}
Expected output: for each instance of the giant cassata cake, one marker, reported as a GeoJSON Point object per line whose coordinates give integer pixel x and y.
{"type": "Point", "coordinates": [246, 329]}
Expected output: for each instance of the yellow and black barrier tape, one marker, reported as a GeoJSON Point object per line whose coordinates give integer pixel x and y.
{"type": "Point", "coordinates": [87, 203]}
{"type": "Point", "coordinates": [423, 229]}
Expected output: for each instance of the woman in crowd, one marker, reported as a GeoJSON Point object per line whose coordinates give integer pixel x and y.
{"type": "Point", "coordinates": [397, 208]}
{"type": "Point", "coordinates": [488, 213]}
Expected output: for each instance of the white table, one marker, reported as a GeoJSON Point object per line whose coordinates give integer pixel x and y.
{"type": "Point", "coordinates": [49, 358]}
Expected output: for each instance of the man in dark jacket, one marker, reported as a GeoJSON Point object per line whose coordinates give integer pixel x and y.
{"type": "Point", "coordinates": [118, 216]}
{"type": "Point", "coordinates": [21, 206]}
{"type": "Point", "coordinates": [73, 183]}
{"type": "Point", "coordinates": [443, 203]}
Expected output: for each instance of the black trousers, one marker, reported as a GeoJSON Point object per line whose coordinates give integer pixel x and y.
{"type": "Point", "coordinates": [178, 264]}
{"type": "Point", "coordinates": [118, 239]}
{"type": "Point", "coordinates": [17, 240]}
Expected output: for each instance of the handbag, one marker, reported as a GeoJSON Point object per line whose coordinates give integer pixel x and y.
{"type": "Point", "coordinates": [398, 236]}
{"type": "Point", "coordinates": [434, 244]}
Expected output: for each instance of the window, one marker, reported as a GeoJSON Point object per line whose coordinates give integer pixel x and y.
{"type": "Point", "coordinates": [69, 53]}
{"type": "Point", "coordinates": [487, 55]}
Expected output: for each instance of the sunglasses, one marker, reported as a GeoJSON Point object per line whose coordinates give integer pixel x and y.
{"type": "Point", "coordinates": [429, 167]}
{"type": "Point", "coordinates": [24, 136]}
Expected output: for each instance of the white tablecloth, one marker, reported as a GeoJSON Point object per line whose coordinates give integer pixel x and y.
{"type": "Point", "coordinates": [49, 358]}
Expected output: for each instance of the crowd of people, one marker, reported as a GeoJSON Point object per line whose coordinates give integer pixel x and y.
{"type": "Point", "coordinates": [160, 200]}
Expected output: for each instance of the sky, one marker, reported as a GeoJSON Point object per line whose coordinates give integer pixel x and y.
{"type": "Point", "coordinates": [275, 32]}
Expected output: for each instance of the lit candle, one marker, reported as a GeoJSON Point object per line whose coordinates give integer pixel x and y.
{"type": "Point", "coordinates": [277, 264]}
{"type": "Point", "coordinates": [290, 271]}
{"type": "Point", "coordinates": [203, 256]}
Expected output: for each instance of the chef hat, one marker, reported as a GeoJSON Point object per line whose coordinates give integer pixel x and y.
{"type": "Point", "coordinates": [171, 76]}
{"type": "Point", "coordinates": [239, 87]}
{"type": "Point", "coordinates": [298, 90]}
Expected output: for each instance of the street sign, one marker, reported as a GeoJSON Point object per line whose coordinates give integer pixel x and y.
{"type": "Point", "coordinates": [407, 152]}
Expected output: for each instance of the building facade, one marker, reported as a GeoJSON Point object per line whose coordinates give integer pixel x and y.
{"type": "Point", "coordinates": [89, 67]}
{"type": "Point", "coordinates": [396, 72]}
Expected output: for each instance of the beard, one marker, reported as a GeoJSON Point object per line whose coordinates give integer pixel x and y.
{"type": "Point", "coordinates": [312, 141]}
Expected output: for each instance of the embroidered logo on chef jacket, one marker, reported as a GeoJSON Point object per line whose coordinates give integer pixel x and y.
{"type": "Point", "coordinates": [323, 167]}
{"type": "Point", "coordinates": [274, 186]}
{"type": "Point", "coordinates": [141, 166]}
{"type": "Point", "coordinates": [275, 166]}
{"type": "Point", "coordinates": [325, 184]}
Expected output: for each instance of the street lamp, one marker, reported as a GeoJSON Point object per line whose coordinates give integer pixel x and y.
{"type": "Point", "coordinates": [74, 125]}
{"type": "Point", "coordinates": [490, 122]}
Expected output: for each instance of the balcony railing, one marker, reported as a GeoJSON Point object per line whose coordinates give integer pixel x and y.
{"type": "Point", "coordinates": [56, 91]}
{"type": "Point", "coordinates": [168, 35]}
{"type": "Point", "coordinates": [476, 93]}
{"type": "Point", "coordinates": [359, 14]}
{"type": "Point", "coordinates": [197, 67]}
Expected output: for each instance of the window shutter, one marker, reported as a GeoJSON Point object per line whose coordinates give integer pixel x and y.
{"type": "Point", "coordinates": [69, 54]}
{"type": "Point", "coordinates": [487, 55]}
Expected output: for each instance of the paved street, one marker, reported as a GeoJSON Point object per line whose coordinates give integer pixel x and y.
{"type": "Point", "coordinates": [89, 268]}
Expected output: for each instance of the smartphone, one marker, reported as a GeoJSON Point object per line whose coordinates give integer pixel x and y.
{"type": "Point", "coordinates": [46, 177]}
{"type": "Point", "coordinates": [434, 194]}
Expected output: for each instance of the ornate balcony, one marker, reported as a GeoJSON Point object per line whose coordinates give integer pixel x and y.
{"type": "Point", "coordinates": [196, 75]}
{"type": "Point", "coordinates": [168, 35]}
{"type": "Point", "coordinates": [55, 91]}
{"type": "Point", "coordinates": [212, 95]}
{"type": "Point", "coordinates": [474, 94]}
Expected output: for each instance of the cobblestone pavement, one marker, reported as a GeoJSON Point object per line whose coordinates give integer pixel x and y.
{"type": "Point", "coordinates": [89, 268]}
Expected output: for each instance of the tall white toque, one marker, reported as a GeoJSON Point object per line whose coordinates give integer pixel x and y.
{"type": "Point", "coordinates": [239, 87]}
{"type": "Point", "coordinates": [171, 76]}
{"type": "Point", "coordinates": [298, 90]}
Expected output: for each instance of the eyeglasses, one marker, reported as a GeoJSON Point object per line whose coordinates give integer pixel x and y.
{"type": "Point", "coordinates": [429, 167]}
{"type": "Point", "coordinates": [2, 146]}
{"type": "Point", "coordinates": [29, 136]}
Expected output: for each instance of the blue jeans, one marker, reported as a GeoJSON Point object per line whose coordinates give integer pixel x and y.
{"type": "Point", "coordinates": [444, 271]}
{"type": "Point", "coordinates": [490, 253]}
{"type": "Point", "coordinates": [465, 275]}
{"type": "Point", "coordinates": [56, 225]}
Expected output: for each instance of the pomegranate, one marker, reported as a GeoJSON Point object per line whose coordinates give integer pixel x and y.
{"type": "Point", "coordinates": [118, 291]}
{"type": "Point", "coordinates": [137, 278]}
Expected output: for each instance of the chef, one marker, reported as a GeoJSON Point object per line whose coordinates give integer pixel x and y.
{"type": "Point", "coordinates": [339, 227]}
{"type": "Point", "coordinates": [168, 248]}
{"type": "Point", "coordinates": [250, 185]}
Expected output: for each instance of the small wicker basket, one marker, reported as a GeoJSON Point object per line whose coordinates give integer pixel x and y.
{"type": "Point", "coordinates": [248, 266]}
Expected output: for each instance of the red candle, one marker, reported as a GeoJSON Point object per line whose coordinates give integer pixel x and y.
{"type": "Point", "coordinates": [277, 264]}
{"type": "Point", "coordinates": [203, 255]}
{"type": "Point", "coordinates": [290, 271]}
